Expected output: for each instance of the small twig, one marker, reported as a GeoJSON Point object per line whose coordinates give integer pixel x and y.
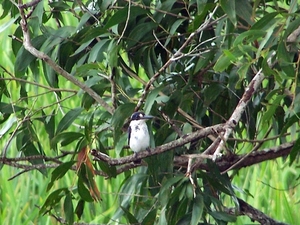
{"type": "Point", "coordinates": [257, 146]}
{"type": "Point", "coordinates": [177, 55]}
{"type": "Point", "coordinates": [158, 41]}
{"type": "Point", "coordinates": [126, 22]}
{"type": "Point", "coordinates": [29, 4]}
{"type": "Point", "coordinates": [39, 85]}
{"type": "Point", "coordinates": [113, 88]}
{"type": "Point", "coordinates": [158, 10]}
{"type": "Point", "coordinates": [172, 124]}
{"type": "Point", "coordinates": [237, 114]}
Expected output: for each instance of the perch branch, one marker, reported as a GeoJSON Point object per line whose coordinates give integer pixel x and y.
{"type": "Point", "coordinates": [160, 149]}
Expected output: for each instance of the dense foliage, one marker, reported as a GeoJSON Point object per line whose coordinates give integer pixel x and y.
{"type": "Point", "coordinates": [83, 67]}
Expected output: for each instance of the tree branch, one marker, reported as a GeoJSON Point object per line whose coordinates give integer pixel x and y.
{"type": "Point", "coordinates": [160, 149]}
{"type": "Point", "coordinates": [254, 214]}
{"type": "Point", "coordinates": [230, 161]}
{"type": "Point", "coordinates": [239, 110]}
{"type": "Point", "coordinates": [41, 55]}
{"type": "Point", "coordinates": [177, 55]}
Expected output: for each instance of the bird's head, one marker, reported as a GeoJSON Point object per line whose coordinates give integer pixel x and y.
{"type": "Point", "coordinates": [140, 116]}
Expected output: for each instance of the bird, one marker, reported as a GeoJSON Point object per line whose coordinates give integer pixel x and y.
{"type": "Point", "coordinates": [138, 134]}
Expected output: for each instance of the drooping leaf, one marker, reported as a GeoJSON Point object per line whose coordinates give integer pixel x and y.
{"type": "Point", "coordinates": [68, 119]}
{"type": "Point", "coordinates": [53, 199]}
{"type": "Point", "coordinates": [198, 206]}
{"type": "Point", "coordinates": [69, 208]}
{"type": "Point", "coordinates": [130, 218]}
{"type": "Point", "coordinates": [79, 208]}
{"type": "Point", "coordinates": [295, 151]}
{"type": "Point", "coordinates": [59, 172]}
{"type": "Point", "coordinates": [229, 8]}
{"type": "Point", "coordinates": [24, 58]}
{"type": "Point", "coordinates": [65, 138]}
{"type": "Point", "coordinates": [83, 191]}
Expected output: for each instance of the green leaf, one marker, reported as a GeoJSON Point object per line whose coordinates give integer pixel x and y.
{"type": "Point", "coordinates": [119, 117]}
{"type": "Point", "coordinates": [229, 57]}
{"type": "Point", "coordinates": [295, 151]}
{"type": "Point", "coordinates": [49, 123]}
{"type": "Point", "coordinates": [198, 205]}
{"type": "Point", "coordinates": [7, 24]}
{"type": "Point", "coordinates": [10, 108]}
{"type": "Point", "coordinates": [266, 22]}
{"type": "Point", "coordinates": [121, 15]}
{"type": "Point", "coordinates": [65, 138]}
{"type": "Point", "coordinates": [69, 208]}
{"type": "Point", "coordinates": [212, 92]}
{"type": "Point", "coordinates": [285, 60]}
{"type": "Point", "coordinates": [68, 119]}
{"type": "Point", "coordinates": [96, 53]}
{"type": "Point", "coordinates": [140, 32]}
{"type": "Point", "coordinates": [229, 8]}
{"type": "Point", "coordinates": [7, 125]}
{"type": "Point", "coordinates": [83, 191]}
{"type": "Point", "coordinates": [79, 208]}
{"type": "Point", "coordinates": [53, 199]}
{"type": "Point", "coordinates": [29, 149]}
{"type": "Point", "coordinates": [150, 218]}
{"type": "Point", "coordinates": [151, 98]}
{"type": "Point", "coordinates": [271, 109]}
{"type": "Point", "coordinates": [164, 192]}
{"type": "Point", "coordinates": [59, 172]}
{"type": "Point", "coordinates": [290, 121]}
{"type": "Point", "coordinates": [223, 216]}
{"type": "Point", "coordinates": [129, 217]}
{"type": "Point", "coordinates": [111, 171]}
{"type": "Point", "coordinates": [249, 36]}
{"type": "Point", "coordinates": [24, 58]}
{"type": "Point", "coordinates": [244, 10]}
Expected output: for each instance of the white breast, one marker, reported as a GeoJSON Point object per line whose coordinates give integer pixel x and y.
{"type": "Point", "coordinates": [139, 137]}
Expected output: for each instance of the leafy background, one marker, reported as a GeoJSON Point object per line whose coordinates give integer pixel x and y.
{"type": "Point", "coordinates": [199, 57]}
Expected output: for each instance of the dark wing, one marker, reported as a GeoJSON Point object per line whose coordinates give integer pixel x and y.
{"type": "Point", "coordinates": [129, 132]}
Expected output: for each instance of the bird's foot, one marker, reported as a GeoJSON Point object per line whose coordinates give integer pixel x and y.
{"type": "Point", "coordinates": [138, 161]}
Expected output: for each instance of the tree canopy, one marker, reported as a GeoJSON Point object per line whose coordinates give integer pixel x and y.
{"type": "Point", "coordinates": [220, 78]}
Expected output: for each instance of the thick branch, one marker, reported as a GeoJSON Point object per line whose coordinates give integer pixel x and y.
{"type": "Point", "coordinates": [160, 149]}
{"type": "Point", "coordinates": [254, 214]}
{"type": "Point", "coordinates": [240, 161]}
{"type": "Point", "coordinates": [294, 35]}
{"type": "Point", "coordinates": [41, 55]}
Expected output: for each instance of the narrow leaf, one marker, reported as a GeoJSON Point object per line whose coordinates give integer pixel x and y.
{"type": "Point", "coordinates": [229, 8]}
{"type": "Point", "coordinates": [59, 172]}
{"type": "Point", "coordinates": [68, 119]}
{"type": "Point", "coordinates": [295, 151]}
{"type": "Point", "coordinates": [69, 208]}
{"type": "Point", "coordinates": [198, 206]}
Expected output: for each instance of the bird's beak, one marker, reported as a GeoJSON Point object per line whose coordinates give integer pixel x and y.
{"type": "Point", "coordinates": [147, 117]}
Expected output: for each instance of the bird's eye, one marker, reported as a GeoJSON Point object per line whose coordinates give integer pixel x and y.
{"type": "Point", "coordinates": [141, 115]}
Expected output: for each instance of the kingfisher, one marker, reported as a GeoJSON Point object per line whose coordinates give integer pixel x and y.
{"type": "Point", "coordinates": [138, 134]}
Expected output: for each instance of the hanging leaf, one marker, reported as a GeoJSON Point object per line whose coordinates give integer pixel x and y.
{"type": "Point", "coordinates": [68, 119]}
